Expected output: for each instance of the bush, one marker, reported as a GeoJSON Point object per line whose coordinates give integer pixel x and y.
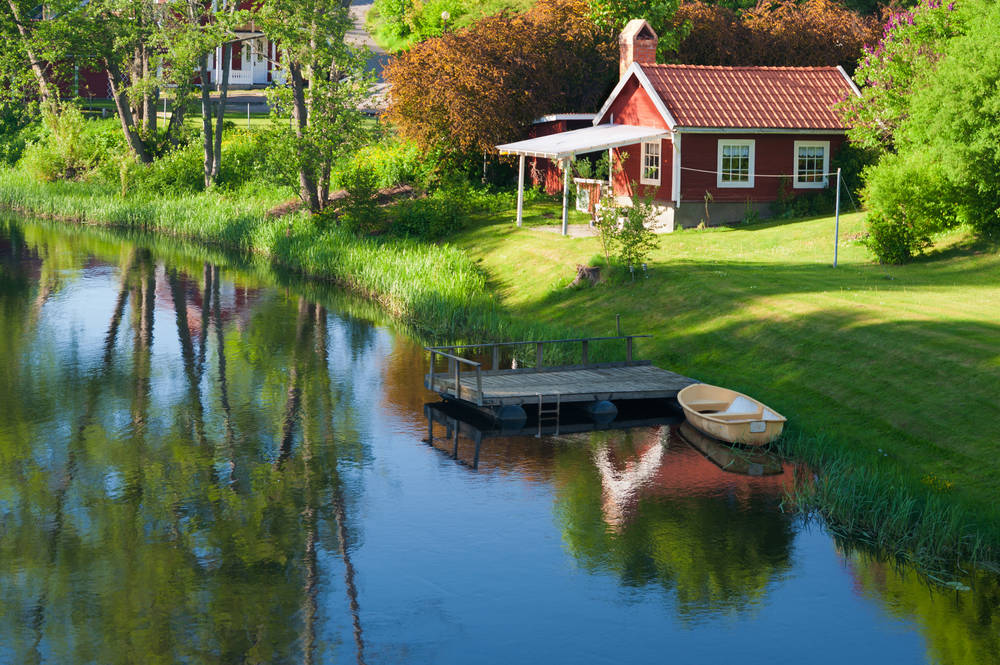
{"type": "Point", "coordinates": [361, 213]}
{"type": "Point", "coordinates": [179, 172]}
{"type": "Point", "coordinates": [429, 218]}
{"type": "Point", "coordinates": [893, 240]}
{"type": "Point", "coordinates": [61, 153]}
{"type": "Point", "coordinates": [394, 161]}
{"type": "Point", "coordinates": [910, 199]}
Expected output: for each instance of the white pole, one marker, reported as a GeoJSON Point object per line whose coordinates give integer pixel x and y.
{"type": "Point", "coordinates": [248, 116]}
{"type": "Point", "coordinates": [164, 108]}
{"type": "Point", "coordinates": [565, 211]}
{"type": "Point", "coordinates": [520, 190]}
{"type": "Point", "coordinates": [836, 232]}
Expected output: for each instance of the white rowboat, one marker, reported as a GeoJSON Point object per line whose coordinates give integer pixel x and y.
{"type": "Point", "coordinates": [730, 416]}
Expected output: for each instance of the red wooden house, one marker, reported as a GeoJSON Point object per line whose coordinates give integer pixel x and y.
{"type": "Point", "coordinates": [687, 133]}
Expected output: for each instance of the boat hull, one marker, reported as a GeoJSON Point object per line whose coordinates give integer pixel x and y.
{"type": "Point", "coordinates": [710, 409]}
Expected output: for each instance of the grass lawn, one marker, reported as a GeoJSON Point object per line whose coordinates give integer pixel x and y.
{"type": "Point", "coordinates": [901, 362]}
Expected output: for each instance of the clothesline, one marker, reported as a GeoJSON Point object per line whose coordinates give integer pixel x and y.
{"type": "Point", "coordinates": [758, 175]}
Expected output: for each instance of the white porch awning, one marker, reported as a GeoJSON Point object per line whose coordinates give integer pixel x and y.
{"type": "Point", "coordinates": [580, 141]}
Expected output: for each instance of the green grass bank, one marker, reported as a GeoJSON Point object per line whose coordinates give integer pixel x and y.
{"type": "Point", "coordinates": [887, 374]}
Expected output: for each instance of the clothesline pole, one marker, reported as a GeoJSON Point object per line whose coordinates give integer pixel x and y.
{"type": "Point", "coordinates": [836, 231]}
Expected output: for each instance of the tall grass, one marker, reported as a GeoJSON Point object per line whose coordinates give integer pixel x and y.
{"type": "Point", "coordinates": [866, 500]}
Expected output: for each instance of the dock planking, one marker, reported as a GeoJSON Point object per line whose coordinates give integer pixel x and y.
{"type": "Point", "coordinates": [584, 382]}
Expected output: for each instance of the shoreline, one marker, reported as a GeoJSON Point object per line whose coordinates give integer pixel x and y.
{"type": "Point", "coordinates": [874, 502]}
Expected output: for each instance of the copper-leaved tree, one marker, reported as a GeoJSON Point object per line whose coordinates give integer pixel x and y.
{"type": "Point", "coordinates": [471, 89]}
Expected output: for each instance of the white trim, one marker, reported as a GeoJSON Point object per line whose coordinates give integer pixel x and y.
{"type": "Point", "coordinates": [795, 165]}
{"type": "Point", "coordinates": [643, 180]}
{"type": "Point", "coordinates": [554, 117]}
{"type": "Point", "coordinates": [850, 82]}
{"type": "Point", "coordinates": [757, 130]}
{"type": "Point", "coordinates": [636, 68]}
{"type": "Point", "coordinates": [580, 141]}
{"type": "Point", "coordinates": [676, 179]}
{"type": "Point", "coordinates": [733, 185]}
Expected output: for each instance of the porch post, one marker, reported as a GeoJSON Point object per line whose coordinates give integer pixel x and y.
{"type": "Point", "coordinates": [565, 210]}
{"type": "Point", "coordinates": [520, 190]}
{"type": "Point", "coordinates": [676, 179]}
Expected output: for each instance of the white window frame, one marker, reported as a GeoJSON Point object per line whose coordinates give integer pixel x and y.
{"type": "Point", "coordinates": [737, 142]}
{"type": "Point", "coordinates": [826, 165]}
{"type": "Point", "coordinates": [643, 180]}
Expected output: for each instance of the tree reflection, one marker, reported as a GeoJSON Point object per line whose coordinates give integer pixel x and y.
{"type": "Point", "coordinates": [961, 627]}
{"type": "Point", "coordinates": [184, 515]}
{"type": "Point", "coordinates": [656, 515]}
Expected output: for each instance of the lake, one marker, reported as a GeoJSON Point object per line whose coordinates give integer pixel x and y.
{"type": "Point", "coordinates": [205, 460]}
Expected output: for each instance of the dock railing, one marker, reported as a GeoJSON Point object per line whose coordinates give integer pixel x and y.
{"type": "Point", "coordinates": [456, 361]}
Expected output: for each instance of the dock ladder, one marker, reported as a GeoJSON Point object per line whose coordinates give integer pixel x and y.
{"type": "Point", "coordinates": [550, 414]}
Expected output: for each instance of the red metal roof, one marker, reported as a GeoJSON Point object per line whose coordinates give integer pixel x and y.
{"type": "Point", "coordinates": [751, 97]}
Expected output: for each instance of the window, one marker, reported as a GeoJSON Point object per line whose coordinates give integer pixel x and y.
{"type": "Point", "coordinates": [812, 163]}
{"type": "Point", "coordinates": [735, 166]}
{"type": "Point", "coordinates": [650, 174]}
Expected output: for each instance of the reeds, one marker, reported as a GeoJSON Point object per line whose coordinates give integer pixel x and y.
{"type": "Point", "coordinates": [865, 500]}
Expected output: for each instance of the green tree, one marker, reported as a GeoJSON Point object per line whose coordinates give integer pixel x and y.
{"type": "Point", "coordinates": [326, 84]}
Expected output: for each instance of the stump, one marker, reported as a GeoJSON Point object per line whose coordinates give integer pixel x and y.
{"type": "Point", "coordinates": [590, 274]}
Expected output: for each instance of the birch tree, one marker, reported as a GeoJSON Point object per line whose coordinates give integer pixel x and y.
{"type": "Point", "coordinates": [325, 86]}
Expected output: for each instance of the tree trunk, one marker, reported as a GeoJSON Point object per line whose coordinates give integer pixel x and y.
{"type": "Point", "coordinates": [45, 86]}
{"type": "Point", "coordinates": [220, 111]}
{"type": "Point", "coordinates": [307, 182]}
{"type": "Point", "coordinates": [135, 142]}
{"type": "Point", "coordinates": [206, 121]}
{"type": "Point", "coordinates": [148, 100]}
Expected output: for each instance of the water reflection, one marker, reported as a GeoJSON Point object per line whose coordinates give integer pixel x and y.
{"type": "Point", "coordinates": [197, 465]}
{"type": "Point", "coordinates": [169, 511]}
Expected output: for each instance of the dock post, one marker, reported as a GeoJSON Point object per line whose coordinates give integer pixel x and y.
{"type": "Point", "coordinates": [430, 379]}
{"type": "Point", "coordinates": [585, 354]}
{"type": "Point", "coordinates": [496, 357]}
{"type": "Point", "coordinates": [454, 452]}
{"type": "Point", "coordinates": [538, 355]}
{"type": "Point", "coordinates": [628, 349]}
{"type": "Point", "coordinates": [458, 380]}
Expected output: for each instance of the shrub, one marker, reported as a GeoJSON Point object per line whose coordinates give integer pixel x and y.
{"type": "Point", "coordinates": [635, 237]}
{"type": "Point", "coordinates": [429, 218]}
{"type": "Point", "coordinates": [394, 161]}
{"type": "Point", "coordinates": [178, 172]}
{"type": "Point", "coordinates": [893, 240]}
{"type": "Point", "coordinates": [360, 212]}
{"type": "Point", "coordinates": [910, 199]}
{"type": "Point", "coordinates": [61, 153]}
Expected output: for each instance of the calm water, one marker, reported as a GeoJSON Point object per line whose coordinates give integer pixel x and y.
{"type": "Point", "coordinates": [205, 463]}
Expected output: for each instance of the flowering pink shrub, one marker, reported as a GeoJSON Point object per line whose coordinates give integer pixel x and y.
{"type": "Point", "coordinates": [911, 44]}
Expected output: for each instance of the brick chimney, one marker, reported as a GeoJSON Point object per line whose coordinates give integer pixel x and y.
{"type": "Point", "coordinates": [637, 43]}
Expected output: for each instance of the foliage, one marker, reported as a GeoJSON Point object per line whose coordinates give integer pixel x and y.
{"type": "Point", "coordinates": [893, 240]}
{"type": "Point", "coordinates": [911, 43]}
{"type": "Point", "coordinates": [773, 32]}
{"type": "Point", "coordinates": [636, 239]}
{"type": "Point", "coordinates": [943, 123]}
{"type": "Point", "coordinates": [397, 24]}
{"type": "Point", "coordinates": [393, 160]}
{"type": "Point", "coordinates": [326, 84]}
{"type": "Point", "coordinates": [61, 152]}
{"type": "Point", "coordinates": [626, 229]}
{"type": "Point", "coordinates": [606, 221]}
{"type": "Point", "coordinates": [361, 212]}
{"type": "Point", "coordinates": [432, 217]}
{"type": "Point", "coordinates": [612, 15]}
{"type": "Point", "coordinates": [471, 89]}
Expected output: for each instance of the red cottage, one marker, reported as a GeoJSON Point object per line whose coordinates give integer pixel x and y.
{"type": "Point", "coordinates": [734, 136]}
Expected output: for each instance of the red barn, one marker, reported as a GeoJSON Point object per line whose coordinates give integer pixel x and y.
{"type": "Point", "coordinates": [734, 136]}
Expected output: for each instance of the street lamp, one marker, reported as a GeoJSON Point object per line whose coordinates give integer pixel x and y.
{"type": "Point", "coordinates": [445, 16]}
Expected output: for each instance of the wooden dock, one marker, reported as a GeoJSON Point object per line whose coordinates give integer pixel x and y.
{"type": "Point", "coordinates": [465, 379]}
